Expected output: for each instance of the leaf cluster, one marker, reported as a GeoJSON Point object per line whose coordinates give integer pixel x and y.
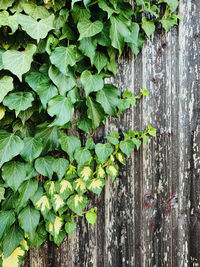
{"type": "Point", "coordinates": [54, 58]}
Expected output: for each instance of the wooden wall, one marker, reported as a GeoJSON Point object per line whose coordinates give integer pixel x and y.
{"type": "Point", "coordinates": [150, 215]}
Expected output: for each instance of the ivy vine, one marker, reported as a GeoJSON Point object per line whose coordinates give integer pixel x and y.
{"type": "Point", "coordinates": [54, 57]}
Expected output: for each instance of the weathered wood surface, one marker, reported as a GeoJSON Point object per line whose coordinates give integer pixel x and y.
{"type": "Point", "coordinates": [165, 172]}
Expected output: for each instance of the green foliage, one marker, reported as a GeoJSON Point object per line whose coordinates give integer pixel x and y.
{"type": "Point", "coordinates": [54, 57]}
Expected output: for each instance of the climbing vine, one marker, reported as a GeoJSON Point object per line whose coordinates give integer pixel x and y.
{"type": "Point", "coordinates": [54, 58]}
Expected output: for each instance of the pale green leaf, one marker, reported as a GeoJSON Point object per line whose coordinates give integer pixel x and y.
{"type": "Point", "coordinates": [69, 144]}
{"type": "Point", "coordinates": [8, 20]}
{"type": "Point", "coordinates": [126, 147]}
{"type": "Point", "coordinates": [87, 28]}
{"type": "Point", "coordinates": [70, 226]}
{"type": "Point", "coordinates": [44, 166]}
{"type": "Point", "coordinates": [91, 217]}
{"type": "Point", "coordinates": [148, 26]}
{"type": "Point", "coordinates": [82, 156]}
{"type": "Point", "coordinates": [113, 137]}
{"type": "Point", "coordinates": [6, 85]}
{"type": "Point", "coordinates": [103, 151]}
{"type": "Point", "coordinates": [32, 148]}
{"type": "Point", "coordinates": [91, 83]}
{"type": "Point", "coordinates": [60, 166]}
{"type": "Point", "coordinates": [35, 11]}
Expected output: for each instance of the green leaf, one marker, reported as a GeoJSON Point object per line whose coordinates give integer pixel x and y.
{"type": "Point", "coordinates": [6, 3]}
{"type": "Point", "coordinates": [54, 228]}
{"type": "Point", "coordinates": [137, 142]}
{"type": "Point", "coordinates": [95, 112]}
{"type": "Point", "coordinates": [113, 137]}
{"type": "Point", "coordinates": [77, 203]}
{"type": "Point", "coordinates": [85, 125]}
{"type": "Point", "coordinates": [27, 191]}
{"type": "Point", "coordinates": [82, 156]}
{"type": "Point", "coordinates": [35, 11]}
{"type": "Point", "coordinates": [148, 26]}
{"type": "Point", "coordinates": [113, 171]}
{"type": "Point", "coordinates": [64, 188]}
{"type": "Point", "coordinates": [29, 219]}
{"type": "Point", "coordinates": [7, 218]}
{"type": "Point", "coordinates": [39, 236]}
{"type": "Point", "coordinates": [62, 57]}
{"type": "Point", "coordinates": [19, 62]}
{"type": "Point", "coordinates": [36, 29]}
{"type": "Point", "coordinates": [104, 5]}
{"type": "Point", "coordinates": [91, 217]}
{"type": "Point", "coordinates": [32, 148]}
{"type": "Point", "coordinates": [6, 85]}
{"type": "Point", "coordinates": [169, 22]}
{"type": "Point", "coordinates": [118, 31]}
{"type": "Point", "coordinates": [60, 166]}
{"type": "Point", "coordinates": [12, 240]}
{"type": "Point", "coordinates": [2, 192]}
{"type": "Point", "coordinates": [134, 32]}
{"type": "Point", "coordinates": [14, 173]}
{"type": "Point", "coordinates": [173, 4]}
{"type": "Point", "coordinates": [96, 185]}
{"type": "Point", "coordinates": [18, 101]}
{"type": "Point", "coordinates": [10, 21]}
{"type": "Point", "coordinates": [108, 97]}
{"type": "Point", "coordinates": [91, 83]}
{"type": "Point", "coordinates": [87, 28]}
{"type": "Point", "coordinates": [70, 227]}
{"type": "Point", "coordinates": [44, 166]}
{"type": "Point", "coordinates": [69, 144]}
{"type": "Point", "coordinates": [120, 158]}
{"type": "Point", "coordinates": [100, 61]}
{"type": "Point", "coordinates": [103, 151]}
{"type": "Point", "coordinates": [88, 47]}
{"type": "Point", "coordinates": [61, 107]}
{"type": "Point", "coordinates": [36, 79]}
{"type": "Point", "coordinates": [49, 136]}
{"type": "Point", "coordinates": [90, 143]}
{"type": "Point", "coordinates": [145, 139]}
{"type": "Point", "coordinates": [126, 147]}
{"type": "Point", "coordinates": [63, 82]}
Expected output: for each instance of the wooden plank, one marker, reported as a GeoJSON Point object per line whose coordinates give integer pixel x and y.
{"type": "Point", "coordinates": [164, 173]}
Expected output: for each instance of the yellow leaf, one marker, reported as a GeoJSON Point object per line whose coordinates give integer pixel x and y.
{"type": "Point", "coordinates": [57, 225]}
{"type": "Point", "coordinates": [71, 170]}
{"type": "Point", "coordinates": [77, 199]}
{"type": "Point", "coordinates": [65, 185]}
{"type": "Point", "coordinates": [50, 227]}
{"type": "Point", "coordinates": [43, 203]}
{"type": "Point", "coordinates": [58, 201]}
{"type": "Point", "coordinates": [86, 173]}
{"type": "Point", "coordinates": [80, 184]}
{"type": "Point", "coordinates": [24, 244]}
{"type": "Point", "coordinates": [13, 260]}
{"type": "Point", "coordinates": [113, 170]}
{"type": "Point", "coordinates": [52, 188]}
{"type": "Point", "coordinates": [100, 172]}
{"type": "Point", "coordinates": [2, 112]}
{"type": "Point", "coordinates": [96, 183]}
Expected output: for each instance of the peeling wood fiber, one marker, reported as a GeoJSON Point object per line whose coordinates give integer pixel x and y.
{"type": "Point", "coordinates": [167, 170]}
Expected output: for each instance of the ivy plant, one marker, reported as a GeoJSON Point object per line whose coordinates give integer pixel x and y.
{"type": "Point", "coordinates": [54, 58]}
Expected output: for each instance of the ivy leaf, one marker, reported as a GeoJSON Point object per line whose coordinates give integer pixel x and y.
{"type": "Point", "coordinates": [120, 158]}
{"type": "Point", "coordinates": [35, 79]}
{"type": "Point", "coordinates": [54, 228]}
{"type": "Point", "coordinates": [44, 205]}
{"type": "Point", "coordinates": [85, 125]}
{"type": "Point", "coordinates": [82, 156]}
{"type": "Point", "coordinates": [64, 188]}
{"type": "Point", "coordinates": [173, 4]}
{"type": "Point", "coordinates": [10, 21]}
{"type": "Point", "coordinates": [27, 191]}
{"type": "Point", "coordinates": [36, 29]}
{"type": "Point", "coordinates": [79, 186]}
{"type": "Point", "coordinates": [19, 62]}
{"type": "Point", "coordinates": [6, 3]}
{"type": "Point", "coordinates": [134, 32]}
{"type": "Point", "coordinates": [63, 82]}
{"type": "Point", "coordinates": [127, 147]}
{"type": "Point", "coordinates": [10, 146]}
{"type": "Point", "coordinates": [60, 166]}
{"type": "Point", "coordinates": [91, 83]}
{"type": "Point", "coordinates": [14, 173]}
{"type": "Point", "coordinates": [112, 170]}
{"type": "Point", "coordinates": [85, 173]}
{"type": "Point", "coordinates": [39, 236]}
{"type": "Point", "coordinates": [148, 26]}
{"type": "Point", "coordinates": [12, 240]}
{"type": "Point", "coordinates": [70, 227]}
{"type": "Point", "coordinates": [2, 193]}
{"type": "Point", "coordinates": [57, 202]}
{"type": "Point", "coordinates": [77, 203]}
{"type": "Point", "coordinates": [96, 185]}
{"type": "Point", "coordinates": [44, 166]}
{"type": "Point", "coordinates": [113, 137]}
{"type": "Point", "coordinates": [100, 173]}
{"type": "Point", "coordinates": [50, 188]}
{"type": "Point", "coordinates": [100, 61]}
{"type": "Point", "coordinates": [49, 136]}
{"type": "Point", "coordinates": [103, 151]}
{"type": "Point", "coordinates": [6, 85]}
{"type": "Point", "coordinates": [118, 31]}
{"type": "Point", "coordinates": [69, 144]}
{"type": "Point", "coordinates": [169, 22]}
{"type": "Point", "coordinates": [88, 47]}
{"type": "Point", "coordinates": [108, 97]}
{"type": "Point", "coordinates": [18, 101]}
{"type": "Point", "coordinates": [32, 148]}
{"type": "Point", "coordinates": [29, 219]}
{"type": "Point", "coordinates": [95, 112]}
{"type": "Point", "coordinates": [46, 92]}
{"type": "Point", "coordinates": [87, 28]}
{"type": "Point", "coordinates": [7, 218]}
{"type": "Point", "coordinates": [62, 107]}
{"type": "Point", "coordinates": [137, 142]}
{"type": "Point", "coordinates": [62, 57]}
{"type": "Point", "coordinates": [91, 217]}
{"type": "Point", "coordinates": [90, 143]}
{"type": "Point", "coordinates": [35, 11]}
{"type": "Point", "coordinates": [105, 7]}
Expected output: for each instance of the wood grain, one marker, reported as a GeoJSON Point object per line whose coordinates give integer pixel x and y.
{"type": "Point", "coordinates": [164, 172]}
